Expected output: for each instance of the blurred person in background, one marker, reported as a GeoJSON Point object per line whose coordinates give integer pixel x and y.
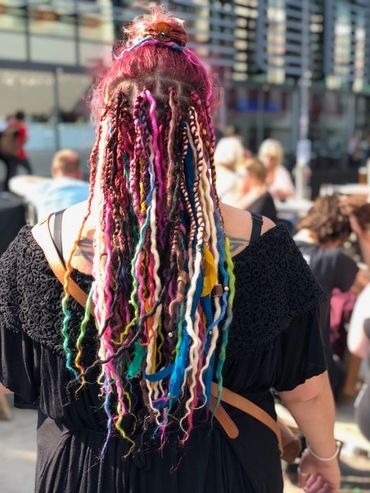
{"type": "Point", "coordinates": [229, 156]}
{"type": "Point", "coordinates": [279, 181]}
{"type": "Point", "coordinates": [21, 159]}
{"type": "Point", "coordinates": [354, 150]}
{"type": "Point", "coordinates": [359, 345]}
{"type": "Point", "coordinates": [9, 149]}
{"type": "Point", "coordinates": [358, 210]}
{"type": "Point", "coordinates": [5, 413]}
{"type": "Point", "coordinates": [359, 327]}
{"type": "Point", "coordinates": [65, 188]}
{"type": "Point", "coordinates": [321, 234]}
{"type": "Point", "coordinates": [254, 194]}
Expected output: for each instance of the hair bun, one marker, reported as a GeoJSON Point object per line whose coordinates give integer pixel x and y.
{"type": "Point", "coordinates": [158, 24]}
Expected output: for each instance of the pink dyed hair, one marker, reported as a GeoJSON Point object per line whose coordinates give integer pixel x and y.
{"type": "Point", "coordinates": [155, 65]}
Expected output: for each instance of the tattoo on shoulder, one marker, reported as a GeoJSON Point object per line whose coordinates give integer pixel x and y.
{"type": "Point", "coordinates": [237, 244]}
{"type": "Point", "coordinates": [85, 249]}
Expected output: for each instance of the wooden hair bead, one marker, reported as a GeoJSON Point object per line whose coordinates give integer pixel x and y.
{"type": "Point", "coordinates": [217, 290]}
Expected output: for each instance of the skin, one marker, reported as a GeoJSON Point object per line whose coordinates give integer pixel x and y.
{"type": "Point", "coordinates": [312, 406]}
{"type": "Point", "coordinates": [57, 173]}
{"type": "Point", "coordinates": [249, 182]}
{"type": "Point", "coordinates": [271, 162]}
{"type": "Point", "coordinates": [311, 403]}
{"type": "Point", "coordinates": [237, 227]}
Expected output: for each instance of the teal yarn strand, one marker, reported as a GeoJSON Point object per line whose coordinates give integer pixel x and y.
{"type": "Point", "coordinates": [83, 328]}
{"type": "Point", "coordinates": [66, 337]}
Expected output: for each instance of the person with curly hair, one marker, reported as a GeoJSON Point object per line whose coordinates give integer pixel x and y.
{"type": "Point", "coordinates": [141, 321]}
{"type": "Point", "coordinates": [321, 235]}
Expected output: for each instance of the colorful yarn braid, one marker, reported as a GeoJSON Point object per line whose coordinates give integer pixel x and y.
{"type": "Point", "coordinates": [159, 252]}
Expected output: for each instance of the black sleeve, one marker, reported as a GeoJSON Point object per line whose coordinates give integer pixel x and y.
{"type": "Point", "coordinates": [19, 370]}
{"type": "Point", "coordinates": [345, 271]}
{"type": "Point", "coordinates": [302, 354]}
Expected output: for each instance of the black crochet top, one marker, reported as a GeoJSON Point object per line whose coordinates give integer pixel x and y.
{"type": "Point", "coordinates": [273, 285]}
{"type": "Point", "coordinates": [274, 342]}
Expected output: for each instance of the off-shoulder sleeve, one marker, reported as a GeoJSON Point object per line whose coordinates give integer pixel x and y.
{"type": "Point", "coordinates": [19, 368]}
{"type": "Point", "coordinates": [274, 287]}
{"type": "Point", "coordinates": [9, 294]}
{"type": "Point", "coordinates": [300, 351]}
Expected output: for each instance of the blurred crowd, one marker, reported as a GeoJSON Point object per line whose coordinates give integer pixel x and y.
{"type": "Point", "coordinates": [333, 234]}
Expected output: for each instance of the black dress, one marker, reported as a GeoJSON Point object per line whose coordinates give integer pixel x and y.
{"type": "Point", "coordinates": [274, 342]}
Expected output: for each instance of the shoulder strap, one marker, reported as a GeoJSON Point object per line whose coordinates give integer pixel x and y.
{"type": "Point", "coordinates": [41, 233]}
{"type": "Point", "coordinates": [245, 405]}
{"type": "Point", "coordinates": [57, 233]}
{"type": "Point", "coordinates": [257, 222]}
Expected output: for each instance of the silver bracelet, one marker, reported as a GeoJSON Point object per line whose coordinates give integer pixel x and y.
{"type": "Point", "coordinates": [338, 445]}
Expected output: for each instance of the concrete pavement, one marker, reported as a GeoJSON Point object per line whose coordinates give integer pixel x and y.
{"type": "Point", "coordinates": [18, 454]}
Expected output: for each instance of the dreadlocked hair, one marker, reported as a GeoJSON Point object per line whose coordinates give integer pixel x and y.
{"type": "Point", "coordinates": [163, 276]}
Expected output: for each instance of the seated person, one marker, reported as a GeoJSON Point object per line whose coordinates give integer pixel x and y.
{"type": "Point", "coordinates": [64, 189]}
{"type": "Point", "coordinates": [271, 154]}
{"type": "Point", "coordinates": [322, 233]}
{"type": "Point", "coordinates": [359, 344]}
{"type": "Point", "coordinates": [229, 155]}
{"type": "Point", "coordinates": [254, 194]}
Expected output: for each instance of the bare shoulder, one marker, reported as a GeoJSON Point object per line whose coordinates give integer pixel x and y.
{"type": "Point", "coordinates": [267, 224]}
{"type": "Point", "coordinates": [83, 251]}
{"type": "Point", "coordinates": [73, 216]}
{"type": "Point", "coordinates": [238, 227]}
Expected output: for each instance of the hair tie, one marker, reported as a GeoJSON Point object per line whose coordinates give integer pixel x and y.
{"type": "Point", "coordinates": [150, 40]}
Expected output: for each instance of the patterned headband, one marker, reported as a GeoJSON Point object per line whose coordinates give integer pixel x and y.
{"type": "Point", "coordinates": [156, 41]}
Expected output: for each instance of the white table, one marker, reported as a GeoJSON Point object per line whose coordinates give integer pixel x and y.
{"type": "Point", "coordinates": [294, 205]}
{"type": "Point", "coordinates": [348, 189]}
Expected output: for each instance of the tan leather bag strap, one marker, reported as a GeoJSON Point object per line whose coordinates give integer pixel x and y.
{"type": "Point", "coordinates": [245, 405]}
{"type": "Point", "coordinates": [41, 233]}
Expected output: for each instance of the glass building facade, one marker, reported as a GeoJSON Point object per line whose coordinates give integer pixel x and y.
{"type": "Point", "coordinates": [48, 52]}
{"type": "Point", "coordinates": [282, 44]}
{"type": "Point", "coordinates": [261, 51]}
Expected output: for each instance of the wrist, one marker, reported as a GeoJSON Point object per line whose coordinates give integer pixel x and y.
{"type": "Point", "coordinates": [327, 457]}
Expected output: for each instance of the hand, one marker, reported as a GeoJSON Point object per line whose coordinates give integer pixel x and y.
{"type": "Point", "coordinates": [317, 476]}
{"type": "Point", "coordinates": [4, 390]}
